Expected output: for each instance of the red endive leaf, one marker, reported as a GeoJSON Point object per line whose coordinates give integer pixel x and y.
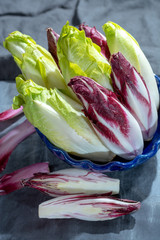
{"type": "Point", "coordinates": [10, 113]}
{"type": "Point", "coordinates": [9, 141]}
{"type": "Point", "coordinates": [13, 181]}
{"type": "Point", "coordinates": [52, 38]}
{"type": "Point", "coordinates": [97, 38]}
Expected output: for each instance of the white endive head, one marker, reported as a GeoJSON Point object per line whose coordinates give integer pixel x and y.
{"type": "Point", "coordinates": [73, 181]}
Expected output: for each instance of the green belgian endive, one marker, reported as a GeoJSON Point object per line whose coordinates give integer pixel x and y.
{"type": "Point", "coordinates": [78, 55]}
{"type": "Point", "coordinates": [34, 61]}
{"type": "Point", "coordinates": [119, 40]}
{"type": "Point", "coordinates": [60, 119]}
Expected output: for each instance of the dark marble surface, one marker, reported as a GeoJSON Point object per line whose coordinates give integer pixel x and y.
{"type": "Point", "coordinates": [19, 210]}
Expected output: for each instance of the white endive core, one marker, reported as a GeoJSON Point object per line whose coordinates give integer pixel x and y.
{"type": "Point", "coordinates": [55, 127]}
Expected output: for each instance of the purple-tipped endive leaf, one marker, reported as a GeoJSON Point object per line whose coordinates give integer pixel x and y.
{"type": "Point", "coordinates": [134, 94]}
{"type": "Point", "coordinates": [119, 40]}
{"type": "Point", "coordinates": [10, 113]}
{"type": "Point", "coordinates": [52, 38]}
{"type": "Point", "coordinates": [9, 141]}
{"type": "Point", "coordinates": [13, 181]}
{"type": "Point", "coordinates": [73, 181]}
{"type": "Point", "coordinates": [97, 38]}
{"type": "Point", "coordinates": [113, 123]}
{"type": "Point", "coordinates": [87, 207]}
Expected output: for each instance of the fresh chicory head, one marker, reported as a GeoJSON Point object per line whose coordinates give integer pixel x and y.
{"type": "Point", "coordinates": [113, 123]}
{"type": "Point", "coordinates": [87, 207]}
{"type": "Point", "coordinates": [97, 38]}
{"type": "Point", "coordinates": [34, 61]}
{"type": "Point", "coordinates": [10, 141]}
{"type": "Point", "coordinates": [73, 181]}
{"type": "Point", "coordinates": [13, 181]}
{"type": "Point", "coordinates": [60, 119]}
{"type": "Point", "coordinates": [78, 55]}
{"type": "Point", "coordinates": [133, 93]}
{"type": "Point", "coordinates": [119, 40]}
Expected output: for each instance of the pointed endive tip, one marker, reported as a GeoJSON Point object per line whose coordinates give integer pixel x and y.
{"type": "Point", "coordinates": [52, 33]}
{"type": "Point", "coordinates": [52, 38]}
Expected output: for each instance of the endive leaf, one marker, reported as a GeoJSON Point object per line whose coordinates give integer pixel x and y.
{"type": "Point", "coordinates": [119, 40]}
{"type": "Point", "coordinates": [34, 61]}
{"type": "Point", "coordinates": [78, 55]}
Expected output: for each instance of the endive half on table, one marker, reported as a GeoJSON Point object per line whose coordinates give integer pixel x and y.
{"type": "Point", "coordinates": [87, 207]}
{"type": "Point", "coordinates": [73, 181]}
{"type": "Point", "coordinates": [60, 119]}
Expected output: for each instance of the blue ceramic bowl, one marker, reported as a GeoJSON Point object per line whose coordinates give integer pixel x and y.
{"type": "Point", "coordinates": [117, 163]}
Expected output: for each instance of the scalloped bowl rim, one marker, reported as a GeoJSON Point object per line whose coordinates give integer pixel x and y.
{"type": "Point", "coordinates": [113, 165]}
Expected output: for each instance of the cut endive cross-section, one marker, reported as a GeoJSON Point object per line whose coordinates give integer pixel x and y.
{"type": "Point", "coordinates": [73, 181]}
{"type": "Point", "coordinates": [60, 119]}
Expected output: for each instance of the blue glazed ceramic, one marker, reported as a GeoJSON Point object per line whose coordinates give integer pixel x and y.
{"type": "Point", "coordinates": [117, 163]}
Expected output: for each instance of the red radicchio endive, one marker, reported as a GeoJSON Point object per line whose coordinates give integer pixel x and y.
{"type": "Point", "coordinates": [13, 181]}
{"type": "Point", "coordinates": [97, 38]}
{"type": "Point", "coordinates": [113, 123]}
{"type": "Point", "coordinates": [10, 113]}
{"type": "Point", "coordinates": [133, 93]}
{"type": "Point", "coordinates": [9, 141]}
{"type": "Point", "coordinates": [52, 38]}
{"type": "Point", "coordinates": [73, 181]}
{"type": "Point", "coordinates": [87, 207]}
